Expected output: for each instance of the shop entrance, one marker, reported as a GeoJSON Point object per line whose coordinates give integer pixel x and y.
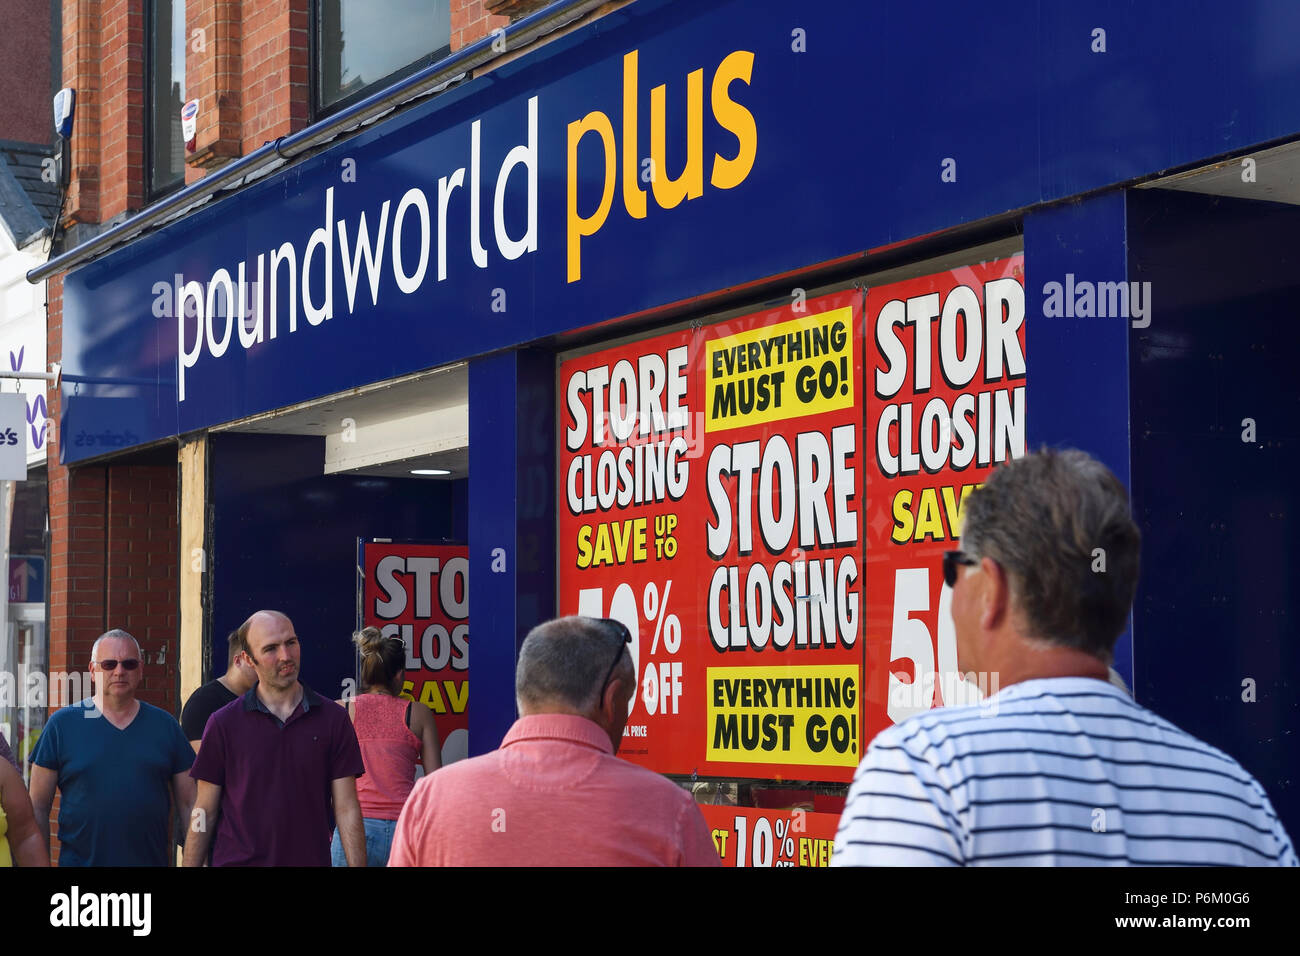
{"type": "Point", "coordinates": [292, 495]}
{"type": "Point", "coordinates": [1215, 447]}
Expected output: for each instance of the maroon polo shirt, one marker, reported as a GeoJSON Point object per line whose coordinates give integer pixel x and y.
{"type": "Point", "coordinates": [275, 779]}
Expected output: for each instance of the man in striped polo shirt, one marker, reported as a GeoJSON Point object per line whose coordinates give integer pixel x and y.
{"type": "Point", "coordinates": [1060, 766]}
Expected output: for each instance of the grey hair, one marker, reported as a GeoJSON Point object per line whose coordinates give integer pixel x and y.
{"type": "Point", "coordinates": [118, 634]}
{"type": "Point", "coordinates": [562, 661]}
{"type": "Point", "coordinates": [1058, 523]}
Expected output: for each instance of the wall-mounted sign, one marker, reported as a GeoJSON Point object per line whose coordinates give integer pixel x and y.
{"type": "Point", "coordinates": [13, 436]}
{"type": "Point", "coordinates": [663, 153]}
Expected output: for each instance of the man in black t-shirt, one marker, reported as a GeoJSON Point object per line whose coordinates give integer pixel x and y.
{"type": "Point", "coordinates": [238, 680]}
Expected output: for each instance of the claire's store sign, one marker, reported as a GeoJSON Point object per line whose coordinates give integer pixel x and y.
{"type": "Point", "coordinates": [662, 153]}
{"type": "Point", "coordinates": [13, 437]}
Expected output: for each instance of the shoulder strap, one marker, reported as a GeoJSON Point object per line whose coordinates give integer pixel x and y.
{"type": "Point", "coordinates": [408, 714]}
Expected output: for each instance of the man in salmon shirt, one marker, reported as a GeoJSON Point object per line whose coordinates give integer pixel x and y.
{"type": "Point", "coordinates": [555, 794]}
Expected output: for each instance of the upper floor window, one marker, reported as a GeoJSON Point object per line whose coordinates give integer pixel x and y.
{"type": "Point", "coordinates": [165, 85]}
{"type": "Point", "coordinates": [360, 46]}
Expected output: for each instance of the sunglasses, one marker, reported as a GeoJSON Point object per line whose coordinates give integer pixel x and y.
{"type": "Point", "coordinates": [618, 630]}
{"type": "Point", "coordinates": [130, 664]}
{"type": "Point", "coordinates": [950, 561]}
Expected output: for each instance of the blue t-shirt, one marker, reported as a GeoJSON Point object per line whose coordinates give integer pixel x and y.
{"type": "Point", "coordinates": [113, 784]}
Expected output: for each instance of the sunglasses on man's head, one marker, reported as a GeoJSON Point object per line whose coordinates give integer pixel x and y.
{"type": "Point", "coordinates": [619, 631]}
{"type": "Point", "coordinates": [130, 664]}
{"type": "Point", "coordinates": [950, 561]}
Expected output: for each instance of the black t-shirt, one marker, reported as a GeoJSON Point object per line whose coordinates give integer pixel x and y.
{"type": "Point", "coordinates": [203, 703]}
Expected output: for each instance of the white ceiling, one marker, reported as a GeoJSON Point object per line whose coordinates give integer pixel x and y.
{"type": "Point", "coordinates": [419, 422]}
{"type": "Point", "coordinates": [1276, 176]}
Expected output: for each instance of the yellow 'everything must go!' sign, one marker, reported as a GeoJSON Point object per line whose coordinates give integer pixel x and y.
{"type": "Point", "coordinates": [784, 715]}
{"type": "Point", "coordinates": [778, 372]}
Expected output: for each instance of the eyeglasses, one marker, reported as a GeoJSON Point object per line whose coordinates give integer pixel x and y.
{"type": "Point", "coordinates": [950, 561]}
{"type": "Point", "coordinates": [130, 664]}
{"type": "Point", "coordinates": [620, 632]}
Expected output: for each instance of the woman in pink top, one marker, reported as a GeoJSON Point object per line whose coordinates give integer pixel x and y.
{"type": "Point", "coordinates": [395, 734]}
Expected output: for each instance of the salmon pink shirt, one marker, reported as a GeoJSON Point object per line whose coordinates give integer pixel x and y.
{"type": "Point", "coordinates": [390, 751]}
{"type": "Point", "coordinates": [554, 794]}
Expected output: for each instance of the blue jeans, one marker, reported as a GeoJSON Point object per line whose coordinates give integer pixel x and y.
{"type": "Point", "coordinates": [379, 840]}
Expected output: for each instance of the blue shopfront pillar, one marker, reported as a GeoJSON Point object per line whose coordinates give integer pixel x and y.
{"type": "Point", "coordinates": [511, 526]}
{"type": "Point", "coordinates": [1078, 364]}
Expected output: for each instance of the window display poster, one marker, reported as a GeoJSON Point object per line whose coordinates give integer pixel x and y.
{"type": "Point", "coordinates": [765, 502]}
{"type": "Point", "coordinates": [748, 837]}
{"type": "Point", "coordinates": [420, 592]}
{"type": "Point", "coordinates": [945, 404]}
{"type": "Point", "coordinates": [709, 500]}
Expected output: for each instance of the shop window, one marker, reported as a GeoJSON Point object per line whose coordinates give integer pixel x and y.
{"type": "Point", "coordinates": [360, 46]}
{"type": "Point", "coordinates": [26, 688]}
{"type": "Point", "coordinates": [756, 495]}
{"type": "Point", "coordinates": [165, 92]}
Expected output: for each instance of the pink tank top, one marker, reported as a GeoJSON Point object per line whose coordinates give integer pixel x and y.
{"type": "Point", "coordinates": [390, 752]}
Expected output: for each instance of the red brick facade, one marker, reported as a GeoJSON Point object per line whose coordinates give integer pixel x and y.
{"type": "Point", "coordinates": [247, 63]}
{"type": "Point", "coordinates": [276, 88]}
{"type": "Point", "coordinates": [214, 76]}
{"type": "Point", "coordinates": [114, 534]}
{"type": "Point", "coordinates": [471, 21]}
{"type": "Point", "coordinates": [81, 71]}
{"type": "Point", "coordinates": [113, 538]}
{"type": "Point", "coordinates": [113, 528]}
{"type": "Point", "coordinates": [121, 107]}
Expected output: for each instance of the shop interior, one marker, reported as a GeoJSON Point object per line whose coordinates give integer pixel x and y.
{"type": "Point", "coordinates": [290, 494]}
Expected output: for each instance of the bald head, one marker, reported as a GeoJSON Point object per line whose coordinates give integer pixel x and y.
{"type": "Point", "coordinates": [265, 619]}
{"type": "Point", "coordinates": [273, 646]}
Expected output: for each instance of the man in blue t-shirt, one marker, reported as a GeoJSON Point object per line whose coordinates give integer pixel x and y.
{"type": "Point", "coordinates": [117, 762]}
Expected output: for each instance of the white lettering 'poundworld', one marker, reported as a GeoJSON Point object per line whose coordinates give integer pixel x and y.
{"type": "Point", "coordinates": [208, 313]}
{"type": "Point", "coordinates": [74, 908]}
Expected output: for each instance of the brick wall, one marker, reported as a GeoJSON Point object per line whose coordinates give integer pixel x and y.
{"type": "Point", "coordinates": [121, 107]}
{"type": "Point", "coordinates": [77, 541]}
{"type": "Point", "coordinates": [214, 76]}
{"type": "Point", "coordinates": [142, 542]}
{"type": "Point", "coordinates": [248, 67]}
{"type": "Point", "coordinates": [116, 525]}
{"type": "Point", "coordinates": [113, 547]}
{"type": "Point", "coordinates": [81, 71]}
{"type": "Point", "coordinates": [471, 21]}
{"type": "Point", "coordinates": [113, 528]}
{"type": "Point", "coordinates": [250, 70]}
{"type": "Point", "coordinates": [276, 91]}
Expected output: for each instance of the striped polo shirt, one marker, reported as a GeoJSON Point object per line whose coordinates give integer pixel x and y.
{"type": "Point", "coordinates": [1064, 771]}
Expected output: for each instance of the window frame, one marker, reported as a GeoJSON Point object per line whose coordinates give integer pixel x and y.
{"type": "Point", "coordinates": [152, 194]}
{"type": "Point", "coordinates": [318, 110]}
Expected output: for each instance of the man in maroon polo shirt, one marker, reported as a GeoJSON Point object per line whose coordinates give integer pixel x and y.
{"type": "Point", "coordinates": [272, 762]}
